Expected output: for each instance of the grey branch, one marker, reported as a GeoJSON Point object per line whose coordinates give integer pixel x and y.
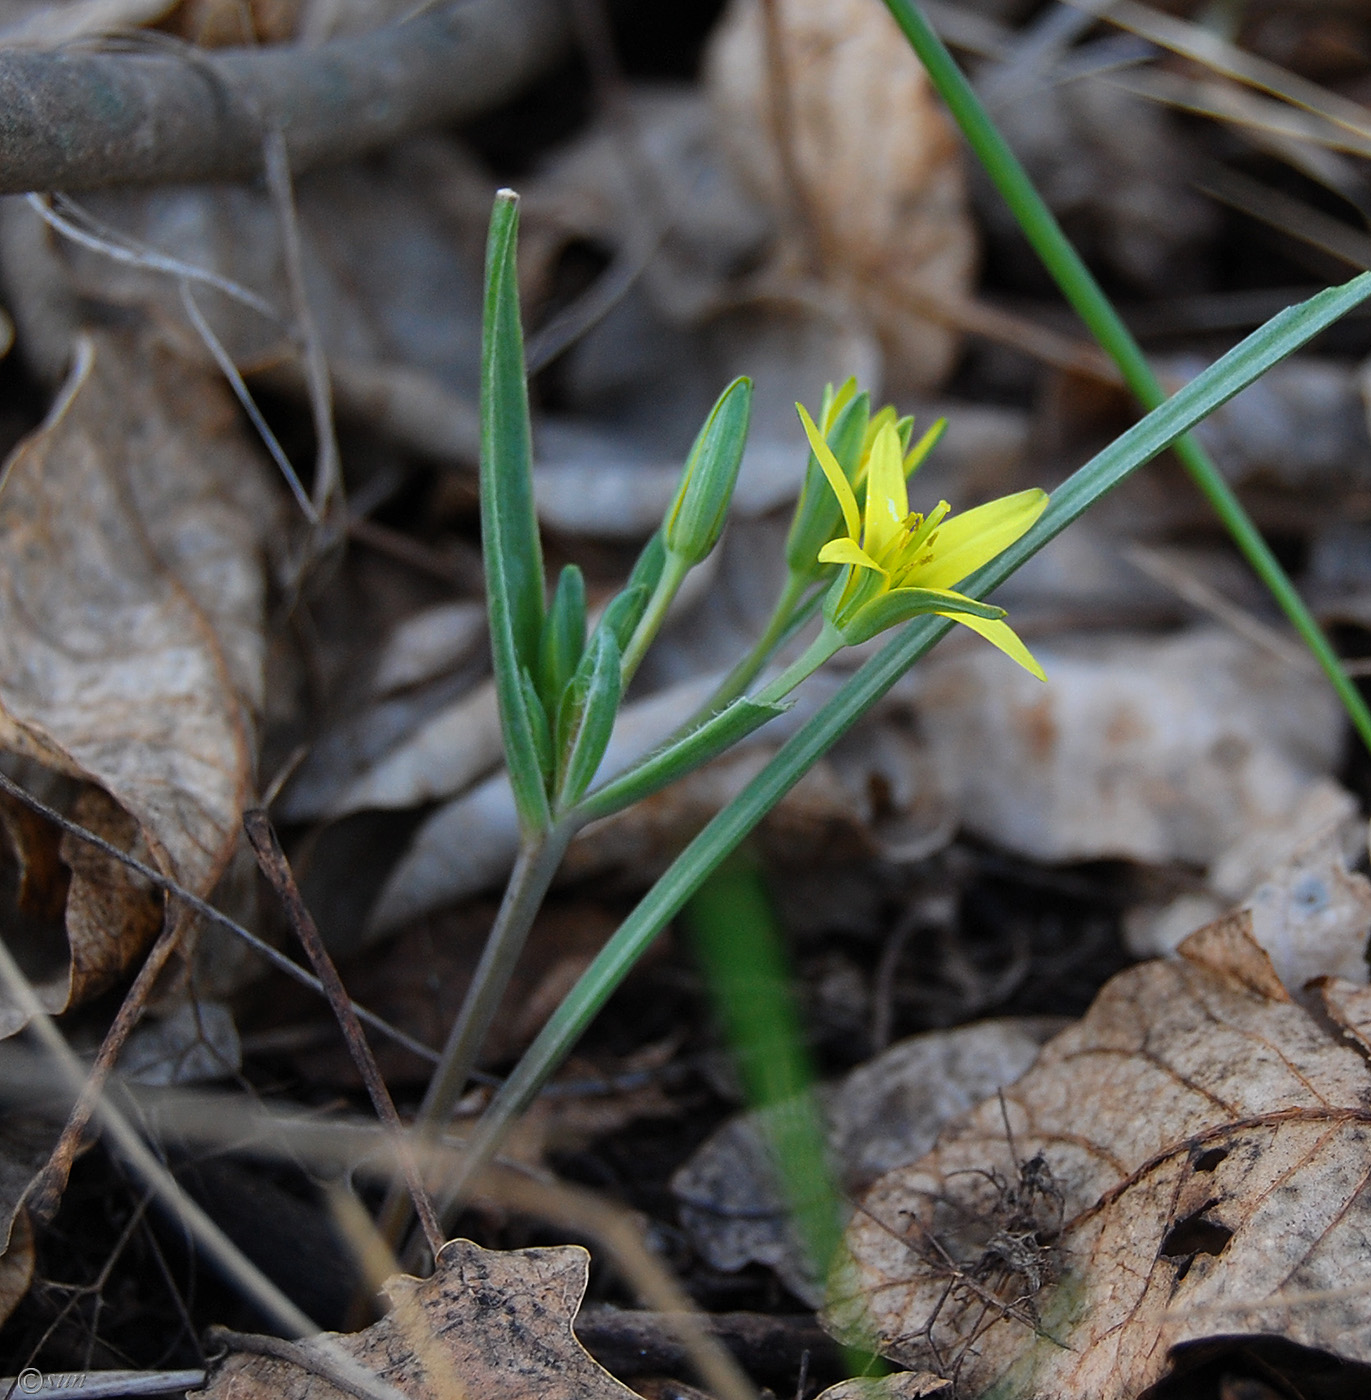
{"type": "Point", "coordinates": [77, 119]}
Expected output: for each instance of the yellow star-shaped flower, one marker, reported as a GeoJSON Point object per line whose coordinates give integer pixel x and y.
{"type": "Point", "coordinates": [901, 564]}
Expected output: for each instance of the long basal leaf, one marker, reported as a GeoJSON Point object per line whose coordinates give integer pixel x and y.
{"type": "Point", "coordinates": [509, 528]}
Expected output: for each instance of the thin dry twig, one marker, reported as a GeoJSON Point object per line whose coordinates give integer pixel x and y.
{"type": "Point", "coordinates": [327, 1363]}
{"type": "Point", "coordinates": [1170, 571]}
{"type": "Point", "coordinates": [276, 868]}
{"type": "Point", "coordinates": [144, 1165]}
{"type": "Point", "coordinates": [350, 1144]}
{"type": "Point", "coordinates": [45, 1194]}
{"type": "Point", "coordinates": [328, 479]}
{"type": "Point", "coordinates": [169, 886]}
{"type": "Point", "coordinates": [79, 120]}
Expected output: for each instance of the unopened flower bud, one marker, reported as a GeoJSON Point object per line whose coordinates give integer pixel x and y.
{"type": "Point", "coordinates": [696, 517]}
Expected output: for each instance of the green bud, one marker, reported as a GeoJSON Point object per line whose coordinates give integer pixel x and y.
{"type": "Point", "coordinates": [585, 717]}
{"type": "Point", "coordinates": [696, 518]}
{"type": "Point", "coordinates": [817, 513]}
{"type": "Point", "coordinates": [564, 635]}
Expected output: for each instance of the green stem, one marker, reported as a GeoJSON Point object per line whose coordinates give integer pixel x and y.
{"type": "Point", "coordinates": [743, 674]}
{"type": "Point", "coordinates": [828, 643]}
{"type": "Point", "coordinates": [539, 857]}
{"type": "Point", "coordinates": [1080, 288]}
{"type": "Point", "coordinates": [673, 573]}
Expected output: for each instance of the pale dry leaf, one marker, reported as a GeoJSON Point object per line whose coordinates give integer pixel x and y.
{"type": "Point", "coordinates": [649, 181]}
{"type": "Point", "coordinates": [487, 1325]}
{"type": "Point", "coordinates": [134, 524]}
{"type": "Point", "coordinates": [433, 641]}
{"type": "Point", "coordinates": [1141, 748]}
{"type": "Point", "coordinates": [881, 194]}
{"type": "Point", "coordinates": [903, 1385]}
{"type": "Point", "coordinates": [1310, 911]}
{"type": "Point", "coordinates": [1182, 1164]}
{"type": "Point", "coordinates": [469, 844]}
{"type": "Point", "coordinates": [196, 1043]}
{"type": "Point", "coordinates": [1108, 163]}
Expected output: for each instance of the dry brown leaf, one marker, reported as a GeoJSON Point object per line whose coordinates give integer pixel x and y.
{"type": "Point", "coordinates": [486, 1326]}
{"type": "Point", "coordinates": [877, 173]}
{"type": "Point", "coordinates": [133, 525]}
{"type": "Point", "coordinates": [1188, 1161]}
{"type": "Point", "coordinates": [24, 1146]}
{"type": "Point", "coordinates": [903, 1385]}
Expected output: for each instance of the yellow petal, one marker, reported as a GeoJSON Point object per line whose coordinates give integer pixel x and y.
{"type": "Point", "coordinates": [836, 478]}
{"type": "Point", "coordinates": [967, 541]}
{"type": "Point", "coordinates": [916, 454]}
{"type": "Point", "coordinates": [887, 500]}
{"type": "Point", "coordinates": [1002, 635]}
{"type": "Point", "coordinates": [849, 552]}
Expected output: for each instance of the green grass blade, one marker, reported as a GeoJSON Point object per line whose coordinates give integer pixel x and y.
{"type": "Point", "coordinates": [1160, 429]}
{"type": "Point", "coordinates": [738, 944]}
{"type": "Point", "coordinates": [1080, 288]}
{"type": "Point", "coordinates": [509, 528]}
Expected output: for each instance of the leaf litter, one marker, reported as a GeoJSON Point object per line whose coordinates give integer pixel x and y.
{"type": "Point", "coordinates": [1187, 1161]}
{"type": "Point", "coordinates": [1197, 760]}
{"type": "Point", "coordinates": [487, 1323]}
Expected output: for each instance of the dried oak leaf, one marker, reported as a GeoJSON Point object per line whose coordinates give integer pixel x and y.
{"type": "Point", "coordinates": [865, 168]}
{"type": "Point", "coordinates": [487, 1325]}
{"type": "Point", "coordinates": [133, 527]}
{"type": "Point", "coordinates": [1188, 1161]}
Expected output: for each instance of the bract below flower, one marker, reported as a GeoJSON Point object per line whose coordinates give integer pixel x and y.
{"type": "Point", "coordinates": [901, 564]}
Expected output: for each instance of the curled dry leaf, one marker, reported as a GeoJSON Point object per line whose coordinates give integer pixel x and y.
{"type": "Point", "coordinates": [24, 1146]}
{"type": "Point", "coordinates": [863, 175]}
{"type": "Point", "coordinates": [1311, 914]}
{"type": "Point", "coordinates": [486, 1324]}
{"type": "Point", "coordinates": [1187, 1162]}
{"type": "Point", "coordinates": [133, 525]}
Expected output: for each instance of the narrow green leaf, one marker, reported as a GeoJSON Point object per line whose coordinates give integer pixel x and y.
{"type": "Point", "coordinates": [625, 610]}
{"type": "Point", "coordinates": [585, 718]}
{"type": "Point", "coordinates": [564, 636]}
{"type": "Point", "coordinates": [1235, 371]}
{"type": "Point", "coordinates": [738, 941]}
{"type": "Point", "coordinates": [509, 528]}
{"type": "Point", "coordinates": [534, 716]}
{"type": "Point", "coordinates": [736, 721]}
